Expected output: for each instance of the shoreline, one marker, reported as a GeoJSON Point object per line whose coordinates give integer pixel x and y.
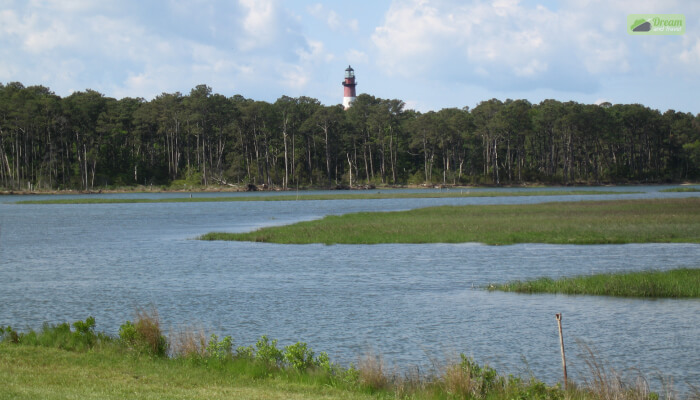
{"type": "Point", "coordinates": [339, 188]}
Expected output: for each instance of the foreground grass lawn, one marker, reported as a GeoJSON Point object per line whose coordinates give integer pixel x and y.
{"type": "Point", "coordinates": [60, 362]}
{"type": "Point", "coordinates": [339, 196]}
{"type": "Point", "coordinates": [679, 283]}
{"type": "Point", "coordinates": [29, 372]}
{"type": "Point", "coordinates": [592, 222]}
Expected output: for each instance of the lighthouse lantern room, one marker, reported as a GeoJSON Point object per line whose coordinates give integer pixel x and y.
{"type": "Point", "coordinates": [349, 87]}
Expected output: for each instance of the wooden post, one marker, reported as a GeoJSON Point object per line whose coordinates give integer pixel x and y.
{"type": "Point", "coordinates": [561, 343]}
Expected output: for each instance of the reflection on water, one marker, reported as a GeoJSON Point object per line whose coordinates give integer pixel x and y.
{"type": "Point", "coordinates": [411, 303]}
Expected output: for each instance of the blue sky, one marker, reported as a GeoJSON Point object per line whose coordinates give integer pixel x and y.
{"type": "Point", "coordinates": [430, 54]}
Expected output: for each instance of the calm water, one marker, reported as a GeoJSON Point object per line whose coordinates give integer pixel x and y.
{"type": "Point", "coordinates": [410, 303]}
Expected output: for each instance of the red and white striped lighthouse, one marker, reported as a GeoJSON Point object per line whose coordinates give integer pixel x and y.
{"type": "Point", "coordinates": [349, 90]}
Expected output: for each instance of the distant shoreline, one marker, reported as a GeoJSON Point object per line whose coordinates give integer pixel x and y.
{"type": "Point", "coordinates": [243, 188]}
{"type": "Point", "coordinates": [340, 195]}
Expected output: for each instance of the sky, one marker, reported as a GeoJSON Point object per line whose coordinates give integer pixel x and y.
{"type": "Point", "coordinates": [430, 54]}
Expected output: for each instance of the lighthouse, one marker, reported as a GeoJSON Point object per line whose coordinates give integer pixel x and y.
{"type": "Point", "coordinates": [349, 87]}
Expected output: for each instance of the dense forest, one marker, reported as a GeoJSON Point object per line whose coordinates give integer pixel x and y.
{"type": "Point", "coordinates": [88, 141]}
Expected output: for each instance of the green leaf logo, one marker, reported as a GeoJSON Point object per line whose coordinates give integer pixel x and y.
{"type": "Point", "coordinates": [637, 23]}
{"type": "Point", "coordinates": [656, 24]}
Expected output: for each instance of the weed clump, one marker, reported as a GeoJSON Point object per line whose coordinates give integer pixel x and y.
{"type": "Point", "coordinates": [188, 343]}
{"type": "Point", "coordinates": [604, 382]}
{"type": "Point", "coordinates": [144, 334]}
{"type": "Point", "coordinates": [371, 373]}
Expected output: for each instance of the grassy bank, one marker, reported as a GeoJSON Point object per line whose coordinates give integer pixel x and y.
{"type": "Point", "coordinates": [62, 362]}
{"type": "Point", "coordinates": [335, 196]}
{"type": "Point", "coordinates": [678, 283]}
{"type": "Point", "coordinates": [48, 373]}
{"type": "Point", "coordinates": [596, 222]}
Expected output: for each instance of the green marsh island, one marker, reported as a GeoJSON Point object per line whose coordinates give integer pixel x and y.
{"type": "Point", "coordinates": [587, 222]}
{"type": "Point", "coordinates": [678, 283]}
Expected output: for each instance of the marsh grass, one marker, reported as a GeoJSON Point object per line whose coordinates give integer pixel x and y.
{"type": "Point", "coordinates": [677, 283]}
{"type": "Point", "coordinates": [338, 196]}
{"type": "Point", "coordinates": [588, 222]}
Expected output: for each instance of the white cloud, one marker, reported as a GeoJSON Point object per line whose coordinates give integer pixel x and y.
{"type": "Point", "coordinates": [293, 76]}
{"type": "Point", "coordinates": [129, 50]}
{"type": "Point", "coordinates": [413, 35]}
{"type": "Point", "coordinates": [36, 33]}
{"type": "Point", "coordinates": [153, 80]}
{"type": "Point", "coordinates": [64, 6]}
{"type": "Point", "coordinates": [259, 23]}
{"type": "Point", "coordinates": [688, 56]}
{"type": "Point", "coordinates": [315, 52]}
{"type": "Point", "coordinates": [10, 23]}
{"type": "Point", "coordinates": [503, 43]}
{"type": "Point", "coordinates": [531, 68]}
{"type": "Point", "coordinates": [601, 55]}
{"type": "Point", "coordinates": [506, 8]}
{"type": "Point", "coordinates": [357, 56]}
{"type": "Point", "coordinates": [331, 18]}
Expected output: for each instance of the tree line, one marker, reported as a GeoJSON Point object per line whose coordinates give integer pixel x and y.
{"type": "Point", "coordinates": [87, 140]}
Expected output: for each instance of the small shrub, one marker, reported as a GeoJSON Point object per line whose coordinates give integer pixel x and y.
{"type": "Point", "coordinates": [299, 356]}
{"type": "Point", "coordinates": [324, 362]}
{"type": "Point", "coordinates": [127, 332]}
{"type": "Point", "coordinates": [8, 334]}
{"type": "Point", "coordinates": [351, 375]}
{"type": "Point", "coordinates": [86, 327]}
{"type": "Point", "coordinates": [85, 332]}
{"type": "Point", "coordinates": [245, 352]}
{"type": "Point", "coordinates": [267, 351]}
{"type": "Point", "coordinates": [220, 350]}
{"type": "Point", "coordinates": [533, 389]}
